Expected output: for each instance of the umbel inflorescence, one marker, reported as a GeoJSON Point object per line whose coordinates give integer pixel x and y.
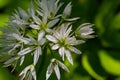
{"type": "Point", "coordinates": [39, 31]}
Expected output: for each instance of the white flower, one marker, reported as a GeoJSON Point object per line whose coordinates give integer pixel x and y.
{"type": "Point", "coordinates": [29, 72]}
{"type": "Point", "coordinates": [20, 18]}
{"type": "Point", "coordinates": [85, 30]}
{"type": "Point", "coordinates": [43, 24]}
{"type": "Point", "coordinates": [45, 12]}
{"type": "Point", "coordinates": [11, 60]}
{"type": "Point", "coordinates": [54, 65]}
{"type": "Point", "coordinates": [51, 9]}
{"type": "Point", "coordinates": [38, 50]}
{"type": "Point", "coordinates": [67, 12]}
{"type": "Point", "coordinates": [35, 45]}
{"type": "Point", "coordinates": [64, 42]}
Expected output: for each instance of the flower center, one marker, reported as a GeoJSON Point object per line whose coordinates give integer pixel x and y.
{"type": "Point", "coordinates": [62, 41]}
{"type": "Point", "coordinates": [43, 27]}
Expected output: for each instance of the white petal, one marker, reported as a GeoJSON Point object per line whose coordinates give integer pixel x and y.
{"type": "Point", "coordinates": [57, 34]}
{"type": "Point", "coordinates": [22, 60]}
{"type": "Point", "coordinates": [68, 31]}
{"type": "Point", "coordinates": [85, 33]}
{"type": "Point", "coordinates": [57, 71]}
{"type": "Point", "coordinates": [23, 14]}
{"type": "Point", "coordinates": [48, 30]}
{"type": "Point", "coordinates": [88, 36]}
{"type": "Point", "coordinates": [75, 50]}
{"type": "Point", "coordinates": [34, 26]}
{"type": "Point", "coordinates": [16, 36]}
{"type": "Point", "coordinates": [62, 30]}
{"type": "Point", "coordinates": [57, 2]}
{"type": "Point", "coordinates": [23, 73]}
{"type": "Point", "coordinates": [56, 46]}
{"type": "Point", "coordinates": [37, 53]}
{"type": "Point", "coordinates": [40, 35]}
{"type": "Point", "coordinates": [9, 61]}
{"type": "Point", "coordinates": [70, 41]}
{"type": "Point", "coordinates": [85, 30]}
{"type": "Point", "coordinates": [53, 60]}
{"type": "Point", "coordinates": [53, 22]}
{"type": "Point", "coordinates": [57, 16]}
{"type": "Point", "coordinates": [61, 52]}
{"type": "Point", "coordinates": [67, 10]}
{"type": "Point", "coordinates": [62, 66]}
{"type": "Point", "coordinates": [69, 57]}
{"type": "Point", "coordinates": [86, 25]}
{"type": "Point", "coordinates": [51, 38]}
{"type": "Point", "coordinates": [72, 19]}
{"type": "Point", "coordinates": [19, 22]}
{"type": "Point", "coordinates": [31, 10]}
{"type": "Point", "coordinates": [15, 64]}
{"type": "Point", "coordinates": [49, 71]}
{"type": "Point", "coordinates": [25, 51]}
{"type": "Point", "coordinates": [80, 42]}
{"type": "Point", "coordinates": [39, 12]}
{"type": "Point", "coordinates": [37, 20]}
{"type": "Point", "coordinates": [30, 77]}
{"type": "Point", "coordinates": [33, 72]}
{"type": "Point", "coordinates": [25, 40]}
{"type": "Point", "coordinates": [42, 41]}
{"type": "Point", "coordinates": [32, 40]}
{"type": "Point", "coordinates": [20, 38]}
{"type": "Point", "coordinates": [45, 16]}
{"type": "Point", "coordinates": [51, 6]}
{"type": "Point", "coordinates": [58, 5]}
{"type": "Point", "coordinates": [16, 45]}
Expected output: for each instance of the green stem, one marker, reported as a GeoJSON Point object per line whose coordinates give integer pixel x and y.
{"type": "Point", "coordinates": [51, 51]}
{"type": "Point", "coordinates": [73, 33]}
{"type": "Point", "coordinates": [60, 22]}
{"type": "Point", "coordinates": [41, 65]}
{"type": "Point", "coordinates": [43, 60]}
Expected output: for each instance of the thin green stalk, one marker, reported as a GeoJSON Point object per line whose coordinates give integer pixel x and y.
{"type": "Point", "coordinates": [40, 68]}
{"type": "Point", "coordinates": [51, 51]}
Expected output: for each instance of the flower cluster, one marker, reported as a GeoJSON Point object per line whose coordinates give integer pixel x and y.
{"type": "Point", "coordinates": [31, 32]}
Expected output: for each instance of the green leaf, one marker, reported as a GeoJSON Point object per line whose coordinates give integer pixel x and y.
{"type": "Point", "coordinates": [0, 32]}
{"type": "Point", "coordinates": [118, 78]}
{"type": "Point", "coordinates": [116, 22]}
{"type": "Point", "coordinates": [3, 19]}
{"type": "Point", "coordinates": [88, 67]}
{"type": "Point", "coordinates": [110, 63]}
{"type": "Point", "coordinates": [5, 74]}
{"type": "Point", "coordinates": [4, 3]}
{"type": "Point", "coordinates": [104, 22]}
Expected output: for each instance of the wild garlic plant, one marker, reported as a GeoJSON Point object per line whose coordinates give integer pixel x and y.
{"type": "Point", "coordinates": [38, 29]}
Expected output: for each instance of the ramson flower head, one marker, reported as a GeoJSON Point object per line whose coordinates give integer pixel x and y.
{"type": "Point", "coordinates": [54, 65]}
{"type": "Point", "coordinates": [30, 72]}
{"type": "Point", "coordinates": [38, 33]}
{"type": "Point", "coordinates": [64, 42]}
{"type": "Point", "coordinates": [85, 30]}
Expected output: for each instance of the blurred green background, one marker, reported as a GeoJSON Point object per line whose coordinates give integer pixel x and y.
{"type": "Point", "coordinates": [100, 59]}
